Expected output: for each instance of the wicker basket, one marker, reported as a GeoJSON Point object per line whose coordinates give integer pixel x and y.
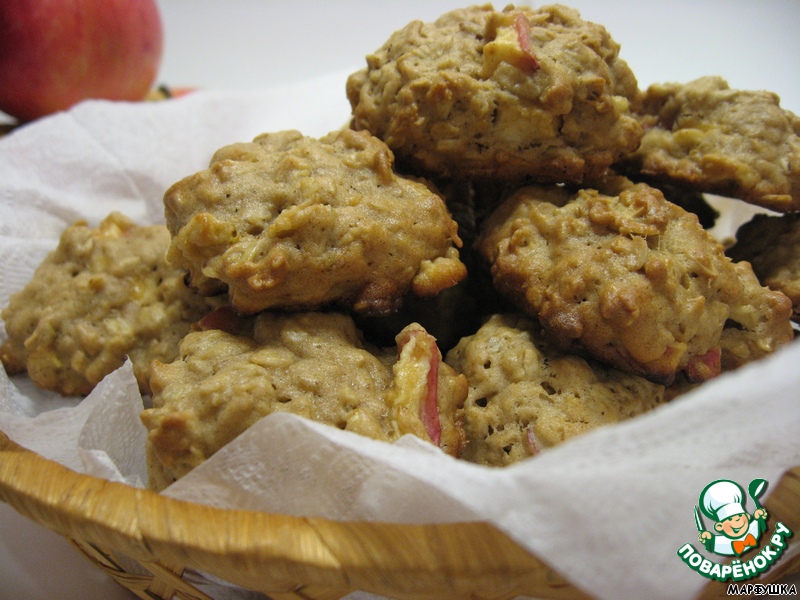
{"type": "Point", "coordinates": [291, 557]}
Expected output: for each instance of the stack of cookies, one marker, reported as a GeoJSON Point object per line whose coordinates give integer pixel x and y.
{"type": "Point", "coordinates": [507, 212]}
{"type": "Point", "coordinates": [583, 209]}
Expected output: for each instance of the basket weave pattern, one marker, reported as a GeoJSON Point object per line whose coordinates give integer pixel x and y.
{"type": "Point", "coordinates": [288, 557]}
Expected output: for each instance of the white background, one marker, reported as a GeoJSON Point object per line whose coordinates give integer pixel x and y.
{"type": "Point", "coordinates": [248, 44]}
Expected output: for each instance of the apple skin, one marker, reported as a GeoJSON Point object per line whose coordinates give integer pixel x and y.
{"type": "Point", "coordinates": [55, 53]}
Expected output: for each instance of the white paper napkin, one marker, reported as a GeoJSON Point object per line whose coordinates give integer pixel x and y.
{"type": "Point", "coordinates": [608, 510]}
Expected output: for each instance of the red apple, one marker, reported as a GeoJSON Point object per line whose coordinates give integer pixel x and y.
{"type": "Point", "coordinates": [55, 53]}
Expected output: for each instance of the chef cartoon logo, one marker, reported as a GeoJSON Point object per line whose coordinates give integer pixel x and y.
{"type": "Point", "coordinates": [735, 532]}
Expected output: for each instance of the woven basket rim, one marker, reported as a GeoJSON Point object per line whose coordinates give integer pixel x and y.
{"type": "Point", "coordinates": [345, 556]}
{"type": "Point", "coordinates": [271, 553]}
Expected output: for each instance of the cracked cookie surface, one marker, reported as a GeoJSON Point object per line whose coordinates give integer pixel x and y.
{"type": "Point", "coordinates": [103, 294]}
{"type": "Point", "coordinates": [526, 396]}
{"type": "Point", "coordinates": [633, 279]}
{"type": "Point", "coordinates": [511, 94]}
{"type": "Point", "coordinates": [707, 137]}
{"type": "Point", "coordinates": [292, 222]}
{"type": "Point", "coordinates": [314, 365]}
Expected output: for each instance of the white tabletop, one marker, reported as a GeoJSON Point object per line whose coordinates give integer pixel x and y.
{"type": "Point", "coordinates": [249, 44]}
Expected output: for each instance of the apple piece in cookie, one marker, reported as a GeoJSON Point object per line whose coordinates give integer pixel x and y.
{"type": "Point", "coordinates": [314, 365]}
{"type": "Point", "coordinates": [633, 280]}
{"type": "Point", "coordinates": [525, 396]}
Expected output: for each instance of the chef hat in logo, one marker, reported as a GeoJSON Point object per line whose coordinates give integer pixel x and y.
{"type": "Point", "coordinates": [722, 499]}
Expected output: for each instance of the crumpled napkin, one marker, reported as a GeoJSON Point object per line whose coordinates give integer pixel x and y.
{"type": "Point", "coordinates": [608, 510]}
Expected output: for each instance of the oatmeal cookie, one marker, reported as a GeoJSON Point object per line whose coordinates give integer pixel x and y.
{"type": "Point", "coordinates": [511, 94]}
{"type": "Point", "coordinates": [612, 183]}
{"type": "Point", "coordinates": [101, 295]}
{"type": "Point", "coordinates": [526, 396]}
{"type": "Point", "coordinates": [633, 279]}
{"type": "Point", "coordinates": [293, 222]}
{"type": "Point", "coordinates": [707, 137]}
{"type": "Point", "coordinates": [771, 244]}
{"type": "Point", "coordinates": [311, 364]}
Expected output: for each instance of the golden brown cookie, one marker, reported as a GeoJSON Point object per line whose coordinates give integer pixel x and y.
{"type": "Point", "coordinates": [511, 94]}
{"type": "Point", "coordinates": [293, 222]}
{"type": "Point", "coordinates": [101, 295]}
{"type": "Point", "coordinates": [612, 183]}
{"type": "Point", "coordinates": [525, 396]}
{"type": "Point", "coordinates": [633, 279]}
{"type": "Point", "coordinates": [311, 364]}
{"type": "Point", "coordinates": [771, 244]}
{"type": "Point", "coordinates": [707, 137]}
